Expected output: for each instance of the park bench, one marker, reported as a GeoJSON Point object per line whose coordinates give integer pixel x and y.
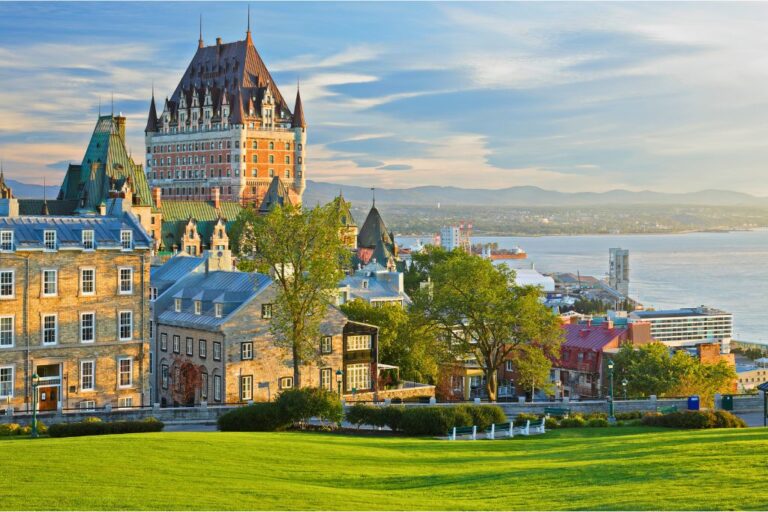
{"type": "Point", "coordinates": [667, 410]}
{"type": "Point", "coordinates": [501, 429]}
{"type": "Point", "coordinates": [523, 430]}
{"type": "Point", "coordinates": [462, 431]}
{"type": "Point", "coordinates": [557, 411]}
{"type": "Point", "coordinates": [538, 428]}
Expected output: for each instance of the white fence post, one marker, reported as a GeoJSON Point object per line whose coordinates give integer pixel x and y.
{"type": "Point", "coordinates": [474, 432]}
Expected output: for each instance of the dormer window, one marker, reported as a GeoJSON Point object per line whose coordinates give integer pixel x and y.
{"type": "Point", "coordinates": [126, 240]}
{"type": "Point", "coordinates": [198, 307]}
{"type": "Point", "coordinates": [6, 240]}
{"type": "Point", "coordinates": [177, 305]}
{"type": "Point", "coordinates": [365, 284]}
{"type": "Point", "coordinates": [218, 310]}
{"type": "Point", "coordinates": [88, 244]}
{"type": "Point", "coordinates": [49, 239]}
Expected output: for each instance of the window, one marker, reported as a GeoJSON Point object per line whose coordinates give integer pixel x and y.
{"type": "Point", "coordinates": [287, 159]}
{"type": "Point", "coordinates": [285, 382]}
{"type": "Point", "coordinates": [126, 240]}
{"type": "Point", "coordinates": [49, 239]}
{"type": "Point", "coordinates": [87, 375]}
{"type": "Point", "coordinates": [88, 405]}
{"type": "Point", "coordinates": [217, 388]}
{"type": "Point", "coordinates": [325, 378]}
{"type": "Point", "coordinates": [6, 331]}
{"type": "Point", "coordinates": [509, 366]}
{"type": "Point", "coordinates": [7, 289]}
{"type": "Point", "coordinates": [255, 145]}
{"type": "Point", "coordinates": [266, 311]}
{"type": "Point", "coordinates": [254, 159]}
{"type": "Point", "coordinates": [125, 402]}
{"type": "Point", "coordinates": [50, 282]}
{"type": "Point", "coordinates": [125, 327]}
{"type": "Point", "coordinates": [326, 345]}
{"type": "Point", "coordinates": [359, 342]}
{"type": "Point", "coordinates": [87, 327]}
{"type": "Point", "coordinates": [176, 344]}
{"type": "Point", "coordinates": [202, 349]}
{"type": "Point", "coordinates": [287, 173]}
{"type": "Point", "coordinates": [164, 342]}
{"type": "Point", "coordinates": [217, 351]}
{"type": "Point", "coordinates": [217, 309]}
{"type": "Point", "coordinates": [177, 305]}
{"type": "Point", "coordinates": [87, 281]}
{"type": "Point", "coordinates": [246, 388]}
{"type": "Point", "coordinates": [358, 377]}
{"type": "Point", "coordinates": [6, 240]}
{"type": "Point", "coordinates": [6, 381]}
{"type": "Point", "coordinates": [88, 244]}
{"type": "Point", "coordinates": [204, 385]}
{"type": "Point", "coordinates": [126, 281]}
{"type": "Point", "coordinates": [198, 307]}
{"type": "Point", "coordinates": [125, 372]}
{"type": "Point", "coordinates": [50, 329]}
{"type": "Point", "coordinates": [164, 376]}
{"type": "Point", "coordinates": [246, 351]}
{"type": "Point", "coordinates": [271, 145]}
{"type": "Point", "coordinates": [287, 146]}
{"type": "Point", "coordinates": [271, 159]}
{"type": "Point", "coordinates": [190, 346]}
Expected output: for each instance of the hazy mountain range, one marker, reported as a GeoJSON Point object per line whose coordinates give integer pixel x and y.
{"type": "Point", "coordinates": [454, 196]}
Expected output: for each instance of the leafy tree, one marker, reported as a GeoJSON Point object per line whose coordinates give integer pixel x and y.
{"type": "Point", "coordinates": [405, 339]}
{"type": "Point", "coordinates": [477, 307]}
{"type": "Point", "coordinates": [532, 370]}
{"type": "Point", "coordinates": [422, 264]}
{"type": "Point", "coordinates": [303, 252]}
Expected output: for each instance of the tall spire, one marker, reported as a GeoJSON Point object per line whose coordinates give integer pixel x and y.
{"type": "Point", "coordinates": [298, 111]}
{"type": "Point", "coordinates": [248, 31]}
{"type": "Point", "coordinates": [373, 196]}
{"type": "Point", "coordinates": [200, 41]}
{"type": "Point", "coordinates": [152, 117]}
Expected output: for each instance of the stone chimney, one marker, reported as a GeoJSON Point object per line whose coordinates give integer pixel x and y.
{"type": "Point", "coordinates": [218, 41]}
{"type": "Point", "coordinates": [120, 121]}
{"type": "Point", "coordinates": [215, 197]}
{"type": "Point", "coordinates": [157, 194]}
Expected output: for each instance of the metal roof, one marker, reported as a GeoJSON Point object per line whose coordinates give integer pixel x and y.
{"type": "Point", "coordinates": [591, 337]}
{"type": "Point", "coordinates": [176, 268]}
{"type": "Point", "coordinates": [681, 312]}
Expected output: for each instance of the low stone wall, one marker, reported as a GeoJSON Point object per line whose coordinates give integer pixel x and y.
{"type": "Point", "coordinates": [389, 394]}
{"type": "Point", "coordinates": [175, 415]}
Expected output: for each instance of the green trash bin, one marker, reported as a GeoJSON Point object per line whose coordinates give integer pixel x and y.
{"type": "Point", "coordinates": [726, 403]}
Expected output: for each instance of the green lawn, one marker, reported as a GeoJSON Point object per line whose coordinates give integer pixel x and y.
{"type": "Point", "coordinates": [618, 468]}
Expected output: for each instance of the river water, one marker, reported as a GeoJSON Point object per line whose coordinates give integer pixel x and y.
{"type": "Point", "coordinates": [722, 270]}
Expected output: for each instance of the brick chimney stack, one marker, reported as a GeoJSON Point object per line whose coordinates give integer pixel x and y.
{"type": "Point", "coordinates": [215, 197]}
{"type": "Point", "coordinates": [157, 193]}
{"type": "Point", "coordinates": [120, 121]}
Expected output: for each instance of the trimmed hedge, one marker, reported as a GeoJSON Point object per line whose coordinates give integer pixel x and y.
{"type": "Point", "coordinates": [97, 428]}
{"type": "Point", "coordinates": [574, 421]}
{"type": "Point", "coordinates": [694, 420]}
{"type": "Point", "coordinates": [258, 417]}
{"type": "Point", "coordinates": [426, 421]}
{"type": "Point", "coordinates": [597, 422]}
{"type": "Point", "coordinates": [302, 404]}
{"type": "Point", "coordinates": [485, 415]}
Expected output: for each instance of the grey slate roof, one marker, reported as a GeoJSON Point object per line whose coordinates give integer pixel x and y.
{"type": "Point", "coordinates": [176, 268]}
{"type": "Point", "coordinates": [381, 284]}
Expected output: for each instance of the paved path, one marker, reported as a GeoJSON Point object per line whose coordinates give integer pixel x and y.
{"type": "Point", "coordinates": [753, 419]}
{"type": "Point", "coordinates": [189, 427]}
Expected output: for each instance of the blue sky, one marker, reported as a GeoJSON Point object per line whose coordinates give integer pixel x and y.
{"type": "Point", "coordinates": [565, 96]}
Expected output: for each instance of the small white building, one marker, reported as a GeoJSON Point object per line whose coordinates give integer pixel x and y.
{"type": "Point", "coordinates": [529, 276]}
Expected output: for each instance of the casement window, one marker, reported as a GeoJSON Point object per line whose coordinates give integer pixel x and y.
{"type": "Point", "coordinates": [254, 159]}
{"type": "Point", "coordinates": [217, 388]}
{"type": "Point", "coordinates": [204, 385]}
{"type": "Point", "coordinates": [176, 344]}
{"type": "Point", "coordinates": [254, 146]}
{"type": "Point", "coordinates": [218, 310]}
{"type": "Point", "coordinates": [87, 405]}
{"type": "Point", "coordinates": [126, 239]}
{"type": "Point", "coordinates": [190, 348]}
{"type": "Point", "coordinates": [358, 376]}
{"type": "Point", "coordinates": [126, 280]}
{"type": "Point", "coordinates": [326, 381]}
{"type": "Point", "coordinates": [271, 145]}
{"type": "Point", "coordinates": [177, 305]}
{"type": "Point", "coordinates": [271, 159]}
{"type": "Point", "coordinates": [87, 327]}
{"type": "Point", "coordinates": [49, 240]}
{"type": "Point", "coordinates": [164, 342]}
{"type": "Point", "coordinates": [6, 381]}
{"type": "Point", "coordinates": [125, 372]}
{"type": "Point", "coordinates": [88, 242]}
{"type": "Point", "coordinates": [198, 307]}
{"type": "Point", "coordinates": [50, 329]}
{"type": "Point", "coordinates": [50, 282]}
{"type": "Point", "coordinates": [87, 281]}
{"type": "Point", "coordinates": [287, 146]}
{"type": "Point", "coordinates": [359, 342]}
{"type": "Point", "coordinates": [164, 376]}
{"type": "Point", "coordinates": [125, 325]}
{"type": "Point", "coordinates": [285, 383]}
{"type": "Point", "coordinates": [7, 284]}
{"type": "Point", "coordinates": [246, 388]}
{"type": "Point", "coordinates": [125, 402]}
{"type": "Point", "coordinates": [217, 351]}
{"type": "Point", "coordinates": [6, 331]}
{"type": "Point", "coordinates": [6, 240]}
{"type": "Point", "coordinates": [266, 311]}
{"type": "Point", "coordinates": [287, 173]}
{"type": "Point", "coordinates": [509, 366]}
{"type": "Point", "coordinates": [87, 375]}
{"type": "Point", "coordinates": [202, 349]}
{"type": "Point", "coordinates": [246, 351]}
{"type": "Point", "coordinates": [326, 344]}
{"type": "Point", "coordinates": [287, 159]}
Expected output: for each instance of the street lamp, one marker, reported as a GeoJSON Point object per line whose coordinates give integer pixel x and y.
{"type": "Point", "coordinates": [559, 385]}
{"type": "Point", "coordinates": [339, 378]}
{"type": "Point", "coordinates": [611, 417]}
{"type": "Point", "coordinates": [35, 382]}
{"type": "Point", "coordinates": [624, 383]}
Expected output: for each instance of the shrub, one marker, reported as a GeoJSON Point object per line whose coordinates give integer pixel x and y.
{"type": "Point", "coordinates": [596, 415]}
{"type": "Point", "coordinates": [525, 416]}
{"type": "Point", "coordinates": [551, 423]}
{"type": "Point", "coordinates": [597, 422]}
{"type": "Point", "coordinates": [575, 421]}
{"type": "Point", "coordinates": [434, 421]}
{"type": "Point", "coordinates": [24, 431]}
{"type": "Point", "coordinates": [630, 415]}
{"type": "Point", "coordinates": [302, 404]}
{"type": "Point", "coordinates": [95, 428]}
{"type": "Point", "coordinates": [9, 429]}
{"type": "Point", "coordinates": [484, 415]}
{"type": "Point", "coordinates": [725, 419]}
{"type": "Point", "coordinates": [258, 417]}
{"type": "Point", "coordinates": [360, 414]}
{"type": "Point", "coordinates": [92, 419]}
{"type": "Point", "coordinates": [694, 420]}
{"type": "Point", "coordinates": [392, 417]}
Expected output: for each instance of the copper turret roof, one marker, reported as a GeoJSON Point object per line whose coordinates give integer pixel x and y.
{"type": "Point", "coordinates": [152, 118]}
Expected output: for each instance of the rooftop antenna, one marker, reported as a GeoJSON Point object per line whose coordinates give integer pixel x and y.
{"type": "Point", "coordinates": [113, 104]}
{"type": "Point", "coordinates": [373, 195]}
{"type": "Point", "coordinates": [249, 19]}
{"type": "Point", "coordinates": [99, 106]}
{"type": "Point", "coordinates": [200, 41]}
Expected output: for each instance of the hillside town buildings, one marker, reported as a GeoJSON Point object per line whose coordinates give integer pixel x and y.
{"type": "Point", "coordinates": [689, 326]}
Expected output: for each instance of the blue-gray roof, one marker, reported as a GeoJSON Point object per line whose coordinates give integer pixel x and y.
{"type": "Point", "coordinates": [28, 230]}
{"type": "Point", "coordinates": [176, 268]}
{"type": "Point", "coordinates": [381, 284]}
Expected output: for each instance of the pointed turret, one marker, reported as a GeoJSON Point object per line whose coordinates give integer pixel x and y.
{"type": "Point", "coordinates": [298, 113]}
{"type": "Point", "coordinates": [248, 31]}
{"type": "Point", "coordinates": [237, 116]}
{"type": "Point", "coordinates": [373, 230]}
{"type": "Point", "coordinates": [5, 190]}
{"type": "Point", "coordinates": [152, 118]}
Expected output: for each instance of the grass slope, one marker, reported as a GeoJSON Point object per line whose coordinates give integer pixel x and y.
{"type": "Point", "coordinates": [576, 469]}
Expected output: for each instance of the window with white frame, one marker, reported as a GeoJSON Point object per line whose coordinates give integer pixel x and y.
{"type": "Point", "coordinates": [285, 383]}
{"type": "Point", "coordinates": [176, 344]}
{"type": "Point", "coordinates": [49, 239]}
{"type": "Point", "coordinates": [198, 307]}
{"type": "Point", "coordinates": [177, 305]}
{"type": "Point", "coordinates": [358, 376]}
{"type": "Point", "coordinates": [125, 325]}
{"type": "Point", "coordinates": [6, 240]}
{"type": "Point", "coordinates": [7, 284]}
{"type": "Point", "coordinates": [50, 328]}
{"type": "Point", "coordinates": [125, 372]}
{"type": "Point", "coordinates": [202, 349]}
{"type": "Point", "coordinates": [246, 387]}
{"type": "Point", "coordinates": [217, 351]}
{"type": "Point", "coordinates": [87, 281]}
{"type": "Point", "coordinates": [359, 342]}
{"type": "Point", "coordinates": [509, 366]}
{"type": "Point", "coordinates": [217, 388]}
{"type": "Point", "coordinates": [87, 375]}
{"type": "Point", "coordinates": [164, 342]}
{"type": "Point", "coordinates": [126, 240]}
{"type": "Point", "coordinates": [190, 346]}
{"type": "Point", "coordinates": [326, 344]}
{"type": "Point", "coordinates": [204, 385]}
{"type": "Point", "coordinates": [266, 311]}
{"type": "Point", "coordinates": [325, 378]}
{"type": "Point", "coordinates": [6, 331]}
{"type": "Point", "coordinates": [218, 309]}
{"type": "Point", "coordinates": [153, 293]}
{"type": "Point", "coordinates": [126, 280]}
{"type": "Point", "coordinates": [88, 405]}
{"type": "Point", "coordinates": [50, 282]}
{"type": "Point", "coordinates": [88, 243]}
{"type": "Point", "coordinates": [125, 402]}
{"type": "Point", "coordinates": [164, 374]}
{"type": "Point", "coordinates": [87, 327]}
{"type": "Point", "coordinates": [6, 381]}
{"type": "Point", "coordinates": [246, 351]}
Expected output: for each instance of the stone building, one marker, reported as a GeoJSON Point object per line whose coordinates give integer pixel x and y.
{"type": "Point", "coordinates": [74, 308]}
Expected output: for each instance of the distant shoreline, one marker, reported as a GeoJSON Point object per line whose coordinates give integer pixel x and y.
{"type": "Point", "coordinates": [659, 233]}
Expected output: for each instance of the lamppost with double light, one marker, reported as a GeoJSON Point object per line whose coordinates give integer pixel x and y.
{"type": "Point", "coordinates": [35, 382]}
{"type": "Point", "coordinates": [624, 383]}
{"type": "Point", "coordinates": [339, 379]}
{"type": "Point", "coordinates": [611, 417]}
